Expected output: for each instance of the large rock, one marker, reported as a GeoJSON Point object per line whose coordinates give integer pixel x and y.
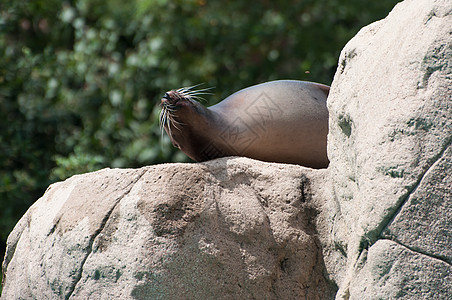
{"type": "Point", "coordinates": [374, 225]}
{"type": "Point", "coordinates": [390, 149]}
{"type": "Point", "coordinates": [227, 229]}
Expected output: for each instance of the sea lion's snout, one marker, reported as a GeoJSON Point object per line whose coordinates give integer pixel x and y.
{"type": "Point", "coordinates": [168, 98]}
{"type": "Point", "coordinates": [171, 98]}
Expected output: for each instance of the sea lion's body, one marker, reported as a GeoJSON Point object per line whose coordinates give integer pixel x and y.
{"type": "Point", "coordinates": [280, 121]}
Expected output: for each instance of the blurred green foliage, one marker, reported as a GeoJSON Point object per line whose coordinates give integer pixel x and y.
{"type": "Point", "coordinates": [80, 80]}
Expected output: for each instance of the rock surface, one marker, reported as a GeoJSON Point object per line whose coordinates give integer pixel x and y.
{"type": "Point", "coordinates": [374, 225]}
{"type": "Point", "coordinates": [390, 149]}
{"type": "Point", "coordinates": [227, 229]}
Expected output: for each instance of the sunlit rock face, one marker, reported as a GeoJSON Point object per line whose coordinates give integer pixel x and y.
{"type": "Point", "coordinates": [374, 225]}
{"type": "Point", "coordinates": [233, 228]}
{"type": "Point", "coordinates": [389, 145]}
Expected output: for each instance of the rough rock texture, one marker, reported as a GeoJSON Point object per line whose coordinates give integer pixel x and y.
{"type": "Point", "coordinates": [227, 229]}
{"type": "Point", "coordinates": [393, 271]}
{"type": "Point", "coordinates": [390, 150]}
{"type": "Point", "coordinates": [375, 225]}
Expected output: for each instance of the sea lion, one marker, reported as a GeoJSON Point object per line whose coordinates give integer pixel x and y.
{"type": "Point", "coordinates": [283, 121]}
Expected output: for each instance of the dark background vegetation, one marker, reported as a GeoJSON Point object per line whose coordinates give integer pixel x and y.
{"type": "Point", "coordinates": [80, 80]}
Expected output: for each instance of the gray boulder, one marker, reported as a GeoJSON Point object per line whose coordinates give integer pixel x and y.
{"type": "Point", "coordinates": [226, 229]}
{"type": "Point", "coordinates": [374, 225]}
{"type": "Point", "coordinates": [390, 150]}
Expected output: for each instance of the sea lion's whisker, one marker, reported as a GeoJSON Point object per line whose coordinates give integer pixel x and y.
{"type": "Point", "coordinates": [170, 109]}
{"type": "Point", "coordinates": [171, 115]}
{"type": "Point", "coordinates": [190, 87]}
{"type": "Point", "coordinates": [195, 96]}
{"type": "Point", "coordinates": [162, 122]}
{"type": "Point", "coordinates": [167, 118]}
{"type": "Point", "coordinates": [167, 124]}
{"type": "Point", "coordinates": [200, 90]}
{"type": "Point", "coordinates": [162, 117]}
{"type": "Point", "coordinates": [191, 94]}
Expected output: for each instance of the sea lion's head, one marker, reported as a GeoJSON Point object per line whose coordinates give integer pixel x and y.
{"type": "Point", "coordinates": [183, 119]}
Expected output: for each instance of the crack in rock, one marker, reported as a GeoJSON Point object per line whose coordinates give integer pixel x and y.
{"type": "Point", "coordinates": [419, 251]}
{"type": "Point", "coordinates": [369, 239]}
{"type": "Point", "coordinates": [388, 221]}
{"type": "Point", "coordinates": [96, 234]}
